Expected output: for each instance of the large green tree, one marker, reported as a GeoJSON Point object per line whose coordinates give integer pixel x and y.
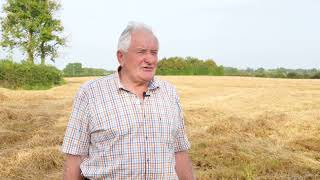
{"type": "Point", "coordinates": [31, 26]}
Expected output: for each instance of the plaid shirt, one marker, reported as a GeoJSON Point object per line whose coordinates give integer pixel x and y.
{"type": "Point", "coordinates": [123, 136]}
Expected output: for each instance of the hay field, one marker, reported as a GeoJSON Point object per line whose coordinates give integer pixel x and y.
{"type": "Point", "coordinates": [239, 127]}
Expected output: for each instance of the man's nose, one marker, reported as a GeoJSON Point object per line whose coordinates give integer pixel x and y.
{"type": "Point", "coordinates": [150, 58]}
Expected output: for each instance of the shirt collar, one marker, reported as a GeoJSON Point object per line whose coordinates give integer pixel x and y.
{"type": "Point", "coordinates": [153, 84]}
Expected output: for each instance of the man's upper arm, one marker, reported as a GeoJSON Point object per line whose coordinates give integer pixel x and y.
{"type": "Point", "coordinates": [77, 137]}
{"type": "Point", "coordinates": [181, 141]}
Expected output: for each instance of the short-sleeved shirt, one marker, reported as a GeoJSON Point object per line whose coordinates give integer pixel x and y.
{"type": "Point", "coordinates": [123, 136]}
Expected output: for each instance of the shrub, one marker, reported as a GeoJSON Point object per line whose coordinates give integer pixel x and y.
{"type": "Point", "coordinates": [28, 76]}
{"type": "Point", "coordinates": [293, 75]}
{"type": "Point", "coordinates": [316, 76]}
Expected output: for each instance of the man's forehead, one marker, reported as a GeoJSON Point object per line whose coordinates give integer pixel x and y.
{"type": "Point", "coordinates": [146, 48]}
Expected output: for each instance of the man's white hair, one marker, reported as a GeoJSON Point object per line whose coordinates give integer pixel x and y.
{"type": "Point", "coordinates": [125, 37]}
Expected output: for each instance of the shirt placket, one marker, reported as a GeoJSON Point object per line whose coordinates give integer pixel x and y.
{"type": "Point", "coordinates": [145, 106]}
{"type": "Point", "coordinates": [143, 133]}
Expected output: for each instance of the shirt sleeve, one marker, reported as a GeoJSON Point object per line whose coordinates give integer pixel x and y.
{"type": "Point", "coordinates": [181, 141]}
{"type": "Point", "coordinates": [77, 138]}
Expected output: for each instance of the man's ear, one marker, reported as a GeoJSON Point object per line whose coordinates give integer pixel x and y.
{"type": "Point", "coordinates": [120, 57]}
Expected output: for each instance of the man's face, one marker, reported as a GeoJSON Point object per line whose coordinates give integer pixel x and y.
{"type": "Point", "coordinates": [140, 62]}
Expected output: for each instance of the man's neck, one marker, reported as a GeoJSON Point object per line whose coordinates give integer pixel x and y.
{"type": "Point", "coordinates": [135, 87]}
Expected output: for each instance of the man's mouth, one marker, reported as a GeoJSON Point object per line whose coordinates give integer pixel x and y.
{"type": "Point", "coordinates": [147, 68]}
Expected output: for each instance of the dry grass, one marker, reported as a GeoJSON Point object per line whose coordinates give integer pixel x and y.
{"type": "Point", "coordinates": [240, 128]}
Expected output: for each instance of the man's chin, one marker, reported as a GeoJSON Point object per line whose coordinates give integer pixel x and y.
{"type": "Point", "coordinates": [148, 75]}
{"type": "Point", "coordinates": [148, 78]}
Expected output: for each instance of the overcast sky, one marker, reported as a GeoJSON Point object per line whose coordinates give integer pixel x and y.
{"type": "Point", "coordinates": [238, 33]}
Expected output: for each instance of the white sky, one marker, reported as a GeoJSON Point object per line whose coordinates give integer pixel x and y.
{"type": "Point", "coordinates": [238, 33]}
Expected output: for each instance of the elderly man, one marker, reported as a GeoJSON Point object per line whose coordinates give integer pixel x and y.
{"type": "Point", "coordinates": [128, 125]}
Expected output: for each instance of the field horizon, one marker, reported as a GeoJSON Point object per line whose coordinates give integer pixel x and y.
{"type": "Point", "coordinates": [239, 127]}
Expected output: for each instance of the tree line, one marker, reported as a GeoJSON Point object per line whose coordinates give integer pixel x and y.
{"type": "Point", "coordinates": [188, 66]}
{"type": "Point", "coordinates": [195, 66]}
{"type": "Point", "coordinates": [274, 73]}
{"type": "Point", "coordinates": [76, 70]}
